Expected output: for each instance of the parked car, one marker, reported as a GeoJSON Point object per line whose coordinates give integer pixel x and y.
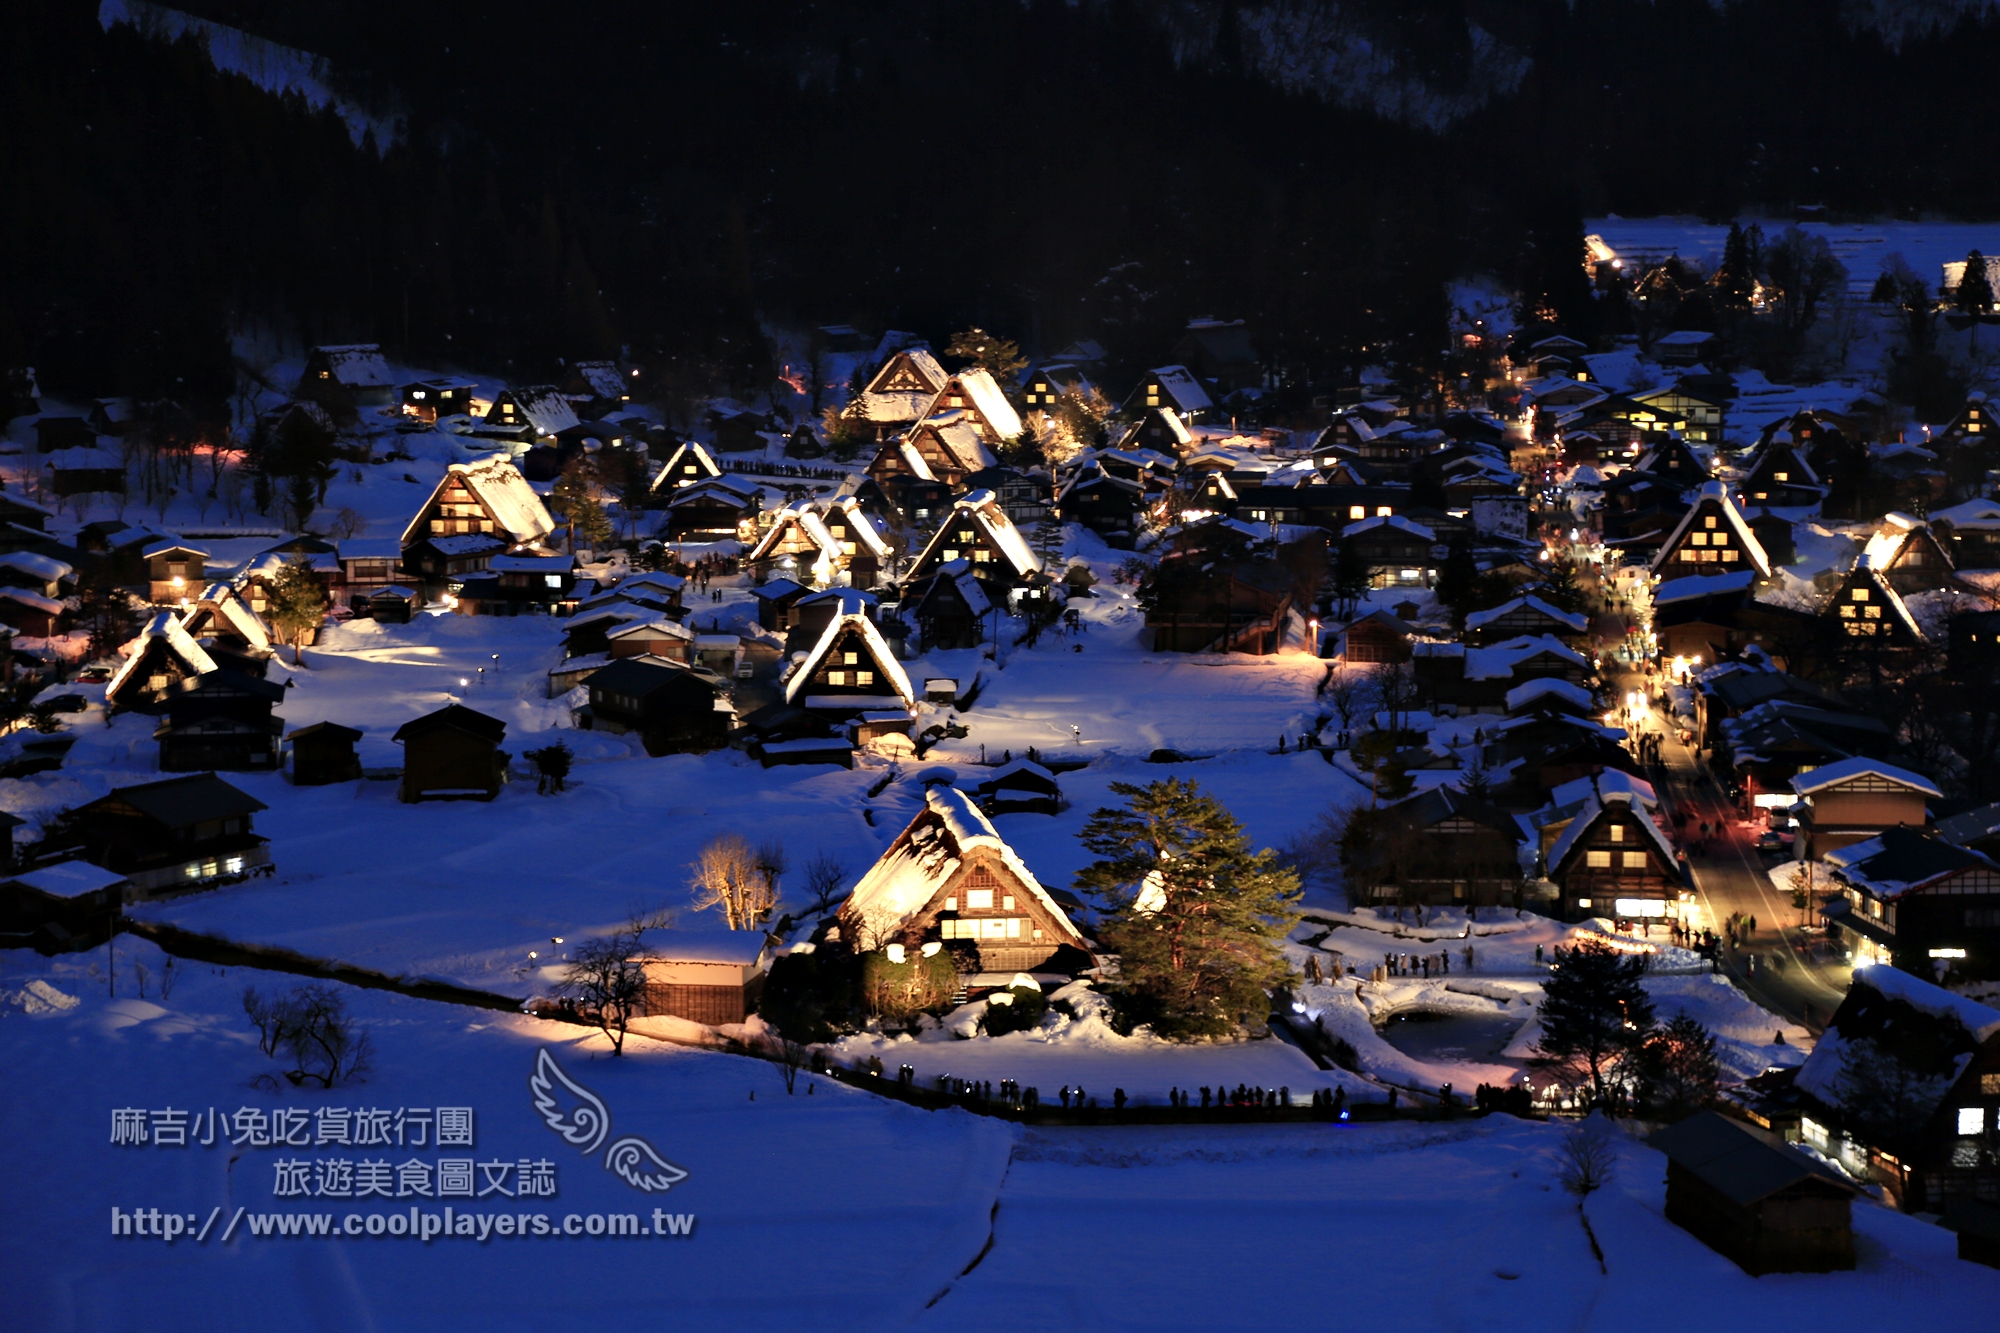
{"type": "Point", "coordinates": [1771, 840]}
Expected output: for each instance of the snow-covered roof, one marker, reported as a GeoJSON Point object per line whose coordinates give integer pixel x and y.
{"type": "Point", "coordinates": [1498, 660]}
{"type": "Point", "coordinates": [499, 485]}
{"type": "Point", "coordinates": [1888, 540]}
{"type": "Point", "coordinates": [983, 508]}
{"type": "Point", "coordinates": [1575, 620]}
{"type": "Point", "coordinates": [924, 857]}
{"type": "Point", "coordinates": [1826, 775]}
{"type": "Point", "coordinates": [1973, 513]}
{"type": "Point", "coordinates": [1180, 384]}
{"type": "Point", "coordinates": [1522, 695]}
{"type": "Point", "coordinates": [357, 365]}
{"type": "Point", "coordinates": [1596, 807]}
{"type": "Point", "coordinates": [1824, 1073]}
{"type": "Point", "coordinates": [853, 615]}
{"type": "Point", "coordinates": [653, 629]}
{"type": "Point", "coordinates": [1396, 521]}
{"type": "Point", "coordinates": [29, 597]}
{"type": "Point", "coordinates": [68, 879]}
{"type": "Point", "coordinates": [739, 948]}
{"type": "Point", "coordinates": [1866, 568]}
{"type": "Point", "coordinates": [462, 543]}
{"type": "Point", "coordinates": [1703, 585]}
{"type": "Point", "coordinates": [166, 625]}
{"type": "Point", "coordinates": [1612, 781]}
{"type": "Point", "coordinates": [532, 564]}
{"type": "Point", "coordinates": [1980, 1020]}
{"type": "Point", "coordinates": [601, 377]}
{"type": "Point", "coordinates": [961, 440]}
{"type": "Point", "coordinates": [543, 406]}
{"type": "Point", "coordinates": [369, 548]}
{"type": "Point", "coordinates": [172, 544]}
{"type": "Point", "coordinates": [1753, 549]}
{"type": "Point", "coordinates": [221, 602]}
{"type": "Point", "coordinates": [84, 459]}
{"type": "Point", "coordinates": [41, 566]}
{"type": "Point", "coordinates": [891, 409]}
{"type": "Point", "coordinates": [920, 362]}
{"type": "Point", "coordinates": [992, 404]}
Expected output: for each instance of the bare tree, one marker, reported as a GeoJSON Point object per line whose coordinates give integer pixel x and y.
{"type": "Point", "coordinates": [608, 982]}
{"type": "Point", "coordinates": [1585, 1160]}
{"type": "Point", "coordinates": [824, 875]}
{"type": "Point", "coordinates": [1347, 694]}
{"type": "Point", "coordinates": [347, 523]}
{"type": "Point", "coordinates": [773, 860]}
{"type": "Point", "coordinates": [311, 1024]}
{"type": "Point", "coordinates": [790, 1057]}
{"type": "Point", "coordinates": [729, 877]}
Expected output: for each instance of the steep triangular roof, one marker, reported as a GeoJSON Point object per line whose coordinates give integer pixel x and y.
{"type": "Point", "coordinates": [1714, 499]}
{"type": "Point", "coordinates": [853, 616]}
{"type": "Point", "coordinates": [221, 610]}
{"type": "Point", "coordinates": [163, 628]}
{"type": "Point", "coordinates": [982, 508]}
{"type": "Point", "coordinates": [926, 854]}
{"type": "Point", "coordinates": [499, 486]}
{"type": "Point", "coordinates": [691, 453]}
{"type": "Point", "coordinates": [1874, 590]}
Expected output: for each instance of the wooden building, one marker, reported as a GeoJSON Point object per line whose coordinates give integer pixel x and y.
{"type": "Point", "coordinates": [1377, 637]}
{"type": "Point", "coordinates": [170, 836]}
{"type": "Point", "coordinates": [1711, 538]}
{"type": "Point", "coordinates": [1611, 859]}
{"type": "Point", "coordinates": [1906, 552]}
{"type": "Point", "coordinates": [452, 754]}
{"type": "Point", "coordinates": [1747, 1196]}
{"type": "Point", "coordinates": [86, 471]}
{"type": "Point", "coordinates": [1527, 614]}
{"type": "Point", "coordinates": [1902, 1089]}
{"type": "Point", "coordinates": [1021, 786]}
{"type": "Point", "coordinates": [346, 378]}
{"type": "Point", "coordinates": [850, 669]}
{"type": "Point", "coordinates": [63, 905]}
{"type": "Point", "coordinates": [775, 600]}
{"type": "Point", "coordinates": [822, 542]}
{"type": "Point", "coordinates": [977, 529]}
{"type": "Point", "coordinates": [1908, 897]}
{"type": "Point", "coordinates": [690, 462]}
{"type": "Point", "coordinates": [719, 507]}
{"type": "Point", "coordinates": [521, 585]}
{"type": "Point", "coordinates": [221, 720]}
{"type": "Point", "coordinates": [165, 656]}
{"type": "Point", "coordinates": [1173, 388]}
{"type": "Point", "coordinates": [900, 393]}
{"type": "Point", "coordinates": [949, 877]}
{"type": "Point", "coordinates": [430, 400]}
{"type": "Point", "coordinates": [531, 414]}
{"type": "Point", "coordinates": [712, 977]}
{"type": "Point", "coordinates": [1781, 476]}
{"type": "Point", "coordinates": [1869, 612]}
{"type": "Point", "coordinates": [1440, 847]}
{"type": "Point", "coordinates": [175, 572]}
{"type": "Point", "coordinates": [1220, 353]}
{"type": "Point", "coordinates": [1399, 552]}
{"type": "Point", "coordinates": [674, 710]}
{"type": "Point", "coordinates": [324, 753]}
{"type": "Point", "coordinates": [951, 607]}
{"type": "Point", "coordinates": [1218, 605]}
{"type": "Point", "coordinates": [1855, 800]}
{"type": "Point", "coordinates": [476, 511]}
{"type": "Point", "coordinates": [597, 388]}
{"type": "Point", "coordinates": [1104, 503]}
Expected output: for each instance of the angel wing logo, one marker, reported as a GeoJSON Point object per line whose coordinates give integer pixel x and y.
{"type": "Point", "coordinates": [582, 1119]}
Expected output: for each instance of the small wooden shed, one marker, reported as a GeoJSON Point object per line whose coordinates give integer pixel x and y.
{"type": "Point", "coordinates": [705, 976]}
{"type": "Point", "coordinates": [452, 754]}
{"type": "Point", "coordinates": [324, 753]}
{"type": "Point", "coordinates": [1747, 1196]}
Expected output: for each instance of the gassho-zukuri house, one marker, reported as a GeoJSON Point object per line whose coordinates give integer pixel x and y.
{"type": "Point", "coordinates": [949, 876]}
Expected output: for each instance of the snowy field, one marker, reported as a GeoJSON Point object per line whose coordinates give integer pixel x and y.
{"type": "Point", "coordinates": [835, 1210]}
{"type": "Point", "coordinates": [1861, 246]}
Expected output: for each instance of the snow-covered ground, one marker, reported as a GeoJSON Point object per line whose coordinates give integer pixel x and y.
{"type": "Point", "coordinates": [829, 1210]}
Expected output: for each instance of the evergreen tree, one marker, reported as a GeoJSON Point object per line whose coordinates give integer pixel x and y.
{"type": "Point", "coordinates": [1195, 915]}
{"type": "Point", "coordinates": [1561, 589]}
{"type": "Point", "coordinates": [1595, 1013]}
{"type": "Point", "coordinates": [296, 602]}
{"type": "Point", "coordinates": [1678, 1073]}
{"type": "Point", "coordinates": [1458, 578]}
{"type": "Point", "coordinates": [1974, 293]}
{"type": "Point", "coordinates": [1742, 255]}
{"type": "Point", "coordinates": [576, 496]}
{"type": "Point", "coordinates": [1000, 357]}
{"type": "Point", "coordinates": [1350, 576]}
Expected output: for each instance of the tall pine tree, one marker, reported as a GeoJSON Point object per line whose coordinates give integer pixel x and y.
{"type": "Point", "coordinates": [1974, 293]}
{"type": "Point", "coordinates": [1595, 1014]}
{"type": "Point", "coordinates": [1195, 915]}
